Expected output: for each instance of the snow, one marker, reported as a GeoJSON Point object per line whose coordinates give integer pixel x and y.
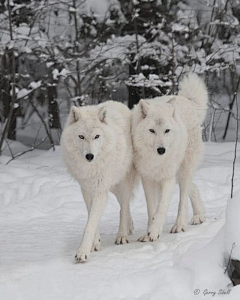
{"type": "Point", "coordinates": [153, 81]}
{"type": "Point", "coordinates": [100, 8]}
{"type": "Point", "coordinates": [22, 93]}
{"type": "Point", "coordinates": [25, 50]}
{"type": "Point", "coordinates": [35, 84]}
{"type": "Point", "coordinates": [55, 74]}
{"type": "Point", "coordinates": [42, 218]}
{"type": "Point", "coordinates": [179, 27]}
{"type": "Point", "coordinates": [72, 9]}
{"type": "Point", "coordinates": [64, 72]}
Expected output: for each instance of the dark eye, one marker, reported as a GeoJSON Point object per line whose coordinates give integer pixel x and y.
{"type": "Point", "coordinates": [151, 130]}
{"type": "Point", "coordinates": [97, 136]}
{"type": "Point", "coordinates": [167, 130]}
{"type": "Point", "coordinates": [81, 137]}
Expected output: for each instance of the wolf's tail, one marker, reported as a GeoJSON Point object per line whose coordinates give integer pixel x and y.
{"type": "Point", "coordinates": [194, 88]}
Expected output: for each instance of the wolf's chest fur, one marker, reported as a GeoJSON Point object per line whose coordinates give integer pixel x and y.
{"type": "Point", "coordinates": [156, 170]}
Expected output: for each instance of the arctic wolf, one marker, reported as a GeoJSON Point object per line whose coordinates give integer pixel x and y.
{"type": "Point", "coordinates": [167, 142]}
{"type": "Point", "coordinates": [97, 150]}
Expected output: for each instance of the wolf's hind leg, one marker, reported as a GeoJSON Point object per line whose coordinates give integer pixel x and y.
{"type": "Point", "coordinates": [185, 175]}
{"type": "Point", "coordinates": [198, 209]}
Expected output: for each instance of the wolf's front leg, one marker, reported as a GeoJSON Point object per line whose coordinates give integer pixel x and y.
{"type": "Point", "coordinates": [88, 201]}
{"type": "Point", "coordinates": [98, 204]}
{"type": "Point", "coordinates": [123, 192]}
{"type": "Point", "coordinates": [181, 222]}
{"type": "Point", "coordinates": [156, 227]}
{"type": "Point", "coordinates": [122, 236]}
{"type": "Point", "coordinates": [152, 195]}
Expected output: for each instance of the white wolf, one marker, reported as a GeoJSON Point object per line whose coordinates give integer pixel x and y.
{"type": "Point", "coordinates": [167, 142]}
{"type": "Point", "coordinates": [97, 149]}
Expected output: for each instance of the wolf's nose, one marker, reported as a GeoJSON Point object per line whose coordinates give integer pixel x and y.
{"type": "Point", "coordinates": [89, 156]}
{"type": "Point", "coordinates": [161, 150]}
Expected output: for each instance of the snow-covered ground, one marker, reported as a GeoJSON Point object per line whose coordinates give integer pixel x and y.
{"type": "Point", "coordinates": [42, 218]}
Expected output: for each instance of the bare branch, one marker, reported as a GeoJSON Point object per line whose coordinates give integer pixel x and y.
{"type": "Point", "coordinates": [235, 150]}
{"type": "Point", "coordinates": [29, 150]}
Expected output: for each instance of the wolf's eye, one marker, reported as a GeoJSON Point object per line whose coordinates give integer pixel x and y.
{"type": "Point", "coordinates": [167, 130]}
{"type": "Point", "coordinates": [97, 136]}
{"type": "Point", "coordinates": [81, 137]}
{"type": "Point", "coordinates": [151, 130]}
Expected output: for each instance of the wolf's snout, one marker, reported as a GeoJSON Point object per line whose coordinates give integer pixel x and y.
{"type": "Point", "coordinates": [89, 156]}
{"type": "Point", "coordinates": [161, 150]}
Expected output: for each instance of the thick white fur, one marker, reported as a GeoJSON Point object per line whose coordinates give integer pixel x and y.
{"type": "Point", "coordinates": [110, 170]}
{"type": "Point", "coordinates": [183, 115]}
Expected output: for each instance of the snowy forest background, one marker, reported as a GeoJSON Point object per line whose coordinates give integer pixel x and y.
{"type": "Point", "coordinates": [54, 54]}
{"type": "Point", "coordinates": [59, 53]}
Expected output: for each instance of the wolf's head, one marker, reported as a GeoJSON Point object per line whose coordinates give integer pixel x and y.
{"type": "Point", "coordinates": [155, 128]}
{"type": "Point", "coordinates": [87, 132]}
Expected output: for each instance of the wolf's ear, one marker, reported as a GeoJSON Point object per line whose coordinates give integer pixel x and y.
{"type": "Point", "coordinates": [102, 114]}
{"type": "Point", "coordinates": [74, 115]}
{"type": "Point", "coordinates": [144, 106]}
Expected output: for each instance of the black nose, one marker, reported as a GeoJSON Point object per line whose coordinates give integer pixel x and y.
{"type": "Point", "coordinates": [89, 156]}
{"type": "Point", "coordinates": [161, 150]}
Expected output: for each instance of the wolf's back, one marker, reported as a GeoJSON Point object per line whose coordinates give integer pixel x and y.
{"type": "Point", "coordinates": [194, 88]}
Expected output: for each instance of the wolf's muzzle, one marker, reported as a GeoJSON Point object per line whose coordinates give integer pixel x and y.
{"type": "Point", "coordinates": [161, 151]}
{"type": "Point", "coordinates": [89, 156]}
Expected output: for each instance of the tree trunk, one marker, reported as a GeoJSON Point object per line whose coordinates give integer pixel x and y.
{"type": "Point", "coordinates": [12, 130]}
{"type": "Point", "coordinates": [231, 105]}
{"type": "Point", "coordinates": [228, 119]}
{"type": "Point", "coordinates": [53, 110]}
{"type": "Point", "coordinates": [9, 67]}
{"type": "Point", "coordinates": [134, 92]}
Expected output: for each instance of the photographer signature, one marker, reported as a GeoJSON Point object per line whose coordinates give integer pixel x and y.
{"type": "Point", "coordinates": [206, 292]}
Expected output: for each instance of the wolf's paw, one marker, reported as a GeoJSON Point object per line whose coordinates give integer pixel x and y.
{"type": "Point", "coordinates": [197, 219]}
{"type": "Point", "coordinates": [121, 239]}
{"type": "Point", "coordinates": [81, 256]}
{"type": "Point", "coordinates": [179, 227]}
{"type": "Point", "coordinates": [144, 239]}
{"type": "Point", "coordinates": [130, 227]}
{"type": "Point", "coordinates": [153, 233]}
{"type": "Point", "coordinates": [96, 245]}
